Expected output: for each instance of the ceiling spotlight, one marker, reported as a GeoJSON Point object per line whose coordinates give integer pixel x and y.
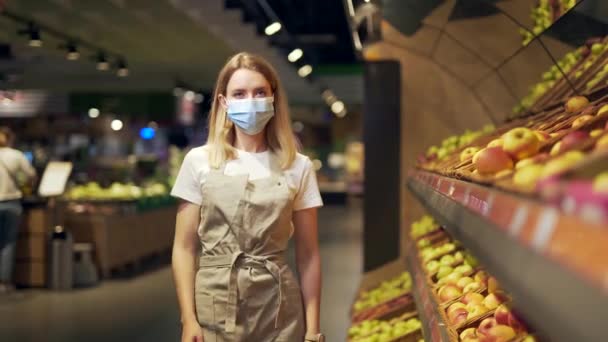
{"type": "Point", "coordinates": [368, 1]}
{"type": "Point", "coordinates": [305, 70]}
{"type": "Point", "coordinates": [273, 28]}
{"type": "Point", "coordinates": [178, 91]}
{"type": "Point", "coordinates": [73, 53]}
{"type": "Point", "coordinates": [116, 125]}
{"type": "Point", "coordinates": [93, 113]}
{"type": "Point", "coordinates": [337, 107]}
{"type": "Point", "coordinates": [102, 62]}
{"type": "Point", "coordinates": [295, 55]}
{"type": "Point", "coordinates": [123, 70]}
{"type": "Point", "coordinates": [189, 95]}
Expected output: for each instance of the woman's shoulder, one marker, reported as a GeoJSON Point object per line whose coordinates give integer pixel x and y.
{"type": "Point", "coordinates": [198, 155]}
{"type": "Point", "coordinates": [301, 162]}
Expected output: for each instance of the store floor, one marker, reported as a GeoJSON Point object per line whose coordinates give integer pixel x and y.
{"type": "Point", "coordinates": [143, 307]}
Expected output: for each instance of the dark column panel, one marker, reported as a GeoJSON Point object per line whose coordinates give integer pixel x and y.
{"type": "Point", "coordinates": [382, 138]}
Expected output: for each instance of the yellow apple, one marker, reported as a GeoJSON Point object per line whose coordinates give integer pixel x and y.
{"type": "Point", "coordinates": [576, 103]}
{"type": "Point", "coordinates": [495, 143]}
{"type": "Point", "coordinates": [600, 183]}
{"type": "Point", "coordinates": [528, 176]}
{"type": "Point", "coordinates": [521, 143]}
{"type": "Point", "coordinates": [581, 120]}
{"type": "Point", "coordinates": [603, 110]}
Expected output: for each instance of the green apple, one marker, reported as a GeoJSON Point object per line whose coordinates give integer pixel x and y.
{"type": "Point", "coordinates": [472, 287]}
{"type": "Point", "coordinates": [447, 260]}
{"type": "Point", "coordinates": [444, 271]}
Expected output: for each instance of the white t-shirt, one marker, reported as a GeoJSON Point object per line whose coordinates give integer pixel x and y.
{"type": "Point", "coordinates": [16, 163]}
{"type": "Point", "coordinates": [300, 177]}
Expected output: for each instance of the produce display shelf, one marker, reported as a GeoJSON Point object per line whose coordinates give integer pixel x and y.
{"type": "Point", "coordinates": [434, 327]}
{"type": "Point", "coordinates": [554, 265]}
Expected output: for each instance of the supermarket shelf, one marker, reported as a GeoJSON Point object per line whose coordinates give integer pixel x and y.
{"type": "Point", "coordinates": [434, 328]}
{"type": "Point", "coordinates": [554, 265]}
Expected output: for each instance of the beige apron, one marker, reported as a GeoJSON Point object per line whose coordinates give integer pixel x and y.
{"type": "Point", "coordinates": [244, 290]}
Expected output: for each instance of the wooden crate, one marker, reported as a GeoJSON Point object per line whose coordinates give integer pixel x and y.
{"type": "Point", "coordinates": [124, 239]}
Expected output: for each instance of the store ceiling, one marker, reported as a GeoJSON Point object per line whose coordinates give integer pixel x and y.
{"type": "Point", "coordinates": [167, 39]}
{"type": "Point", "coordinates": [158, 41]}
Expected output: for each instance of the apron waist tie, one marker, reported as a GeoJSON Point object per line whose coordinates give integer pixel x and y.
{"type": "Point", "coordinates": [231, 260]}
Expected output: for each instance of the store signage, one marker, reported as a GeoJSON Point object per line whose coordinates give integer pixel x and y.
{"type": "Point", "coordinates": [54, 179]}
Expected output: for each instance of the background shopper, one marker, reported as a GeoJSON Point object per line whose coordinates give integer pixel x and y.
{"type": "Point", "coordinates": [14, 168]}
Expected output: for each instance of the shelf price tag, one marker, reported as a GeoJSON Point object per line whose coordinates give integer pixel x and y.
{"type": "Point", "coordinates": [518, 220]}
{"type": "Point", "coordinates": [545, 226]}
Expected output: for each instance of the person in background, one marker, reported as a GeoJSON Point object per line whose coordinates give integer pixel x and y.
{"type": "Point", "coordinates": [13, 166]}
{"type": "Point", "coordinates": [245, 194]}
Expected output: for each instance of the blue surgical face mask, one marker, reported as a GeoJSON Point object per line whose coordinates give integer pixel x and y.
{"type": "Point", "coordinates": [251, 115]}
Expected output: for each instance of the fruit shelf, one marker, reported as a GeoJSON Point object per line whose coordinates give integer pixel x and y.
{"type": "Point", "coordinates": [434, 327]}
{"type": "Point", "coordinates": [554, 265]}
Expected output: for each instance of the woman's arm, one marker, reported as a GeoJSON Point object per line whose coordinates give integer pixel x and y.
{"type": "Point", "coordinates": [185, 251]}
{"type": "Point", "coordinates": [309, 265]}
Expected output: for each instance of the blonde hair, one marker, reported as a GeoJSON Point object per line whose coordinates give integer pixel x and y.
{"type": "Point", "coordinates": [5, 136]}
{"type": "Point", "coordinates": [279, 136]}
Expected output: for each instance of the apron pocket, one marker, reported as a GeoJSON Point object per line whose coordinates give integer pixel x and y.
{"type": "Point", "coordinates": [204, 309]}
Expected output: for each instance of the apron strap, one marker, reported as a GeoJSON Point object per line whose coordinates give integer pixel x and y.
{"type": "Point", "coordinates": [231, 260]}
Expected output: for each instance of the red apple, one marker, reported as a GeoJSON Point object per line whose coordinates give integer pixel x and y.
{"type": "Point", "coordinates": [573, 139]}
{"type": "Point", "coordinates": [472, 297]}
{"type": "Point", "coordinates": [492, 160]}
{"type": "Point", "coordinates": [504, 315]}
{"type": "Point", "coordinates": [458, 316]}
{"type": "Point", "coordinates": [449, 292]}
{"type": "Point", "coordinates": [485, 326]}
{"type": "Point", "coordinates": [468, 333]}
{"type": "Point", "coordinates": [576, 103]}
{"type": "Point", "coordinates": [481, 277]}
{"type": "Point", "coordinates": [542, 135]}
{"type": "Point", "coordinates": [521, 143]}
{"type": "Point", "coordinates": [468, 153]}
{"type": "Point", "coordinates": [495, 143]}
{"type": "Point", "coordinates": [455, 306]}
{"type": "Point", "coordinates": [499, 333]}
{"type": "Point", "coordinates": [493, 285]}
{"type": "Point", "coordinates": [580, 121]}
{"type": "Point", "coordinates": [492, 301]}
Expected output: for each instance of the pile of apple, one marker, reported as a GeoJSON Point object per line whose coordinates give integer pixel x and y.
{"type": "Point", "coordinates": [453, 143]}
{"type": "Point", "coordinates": [425, 225]}
{"type": "Point", "coordinates": [430, 253]}
{"type": "Point", "coordinates": [117, 191]}
{"type": "Point", "coordinates": [387, 290]}
{"type": "Point", "coordinates": [592, 50]}
{"type": "Point", "coordinates": [544, 15]}
{"type": "Point", "coordinates": [383, 331]}
{"type": "Point", "coordinates": [503, 326]}
{"type": "Point", "coordinates": [472, 304]}
{"type": "Point", "coordinates": [519, 148]}
{"type": "Point", "coordinates": [597, 78]}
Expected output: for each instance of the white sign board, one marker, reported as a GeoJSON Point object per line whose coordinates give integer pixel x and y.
{"type": "Point", "coordinates": [54, 179]}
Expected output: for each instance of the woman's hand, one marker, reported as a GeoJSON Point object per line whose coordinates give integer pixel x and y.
{"type": "Point", "coordinates": [192, 332]}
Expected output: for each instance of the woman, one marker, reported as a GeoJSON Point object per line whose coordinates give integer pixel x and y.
{"type": "Point", "coordinates": [245, 193]}
{"type": "Point", "coordinates": [12, 163]}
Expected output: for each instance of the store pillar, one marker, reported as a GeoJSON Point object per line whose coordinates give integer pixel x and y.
{"type": "Point", "coordinates": [382, 138]}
